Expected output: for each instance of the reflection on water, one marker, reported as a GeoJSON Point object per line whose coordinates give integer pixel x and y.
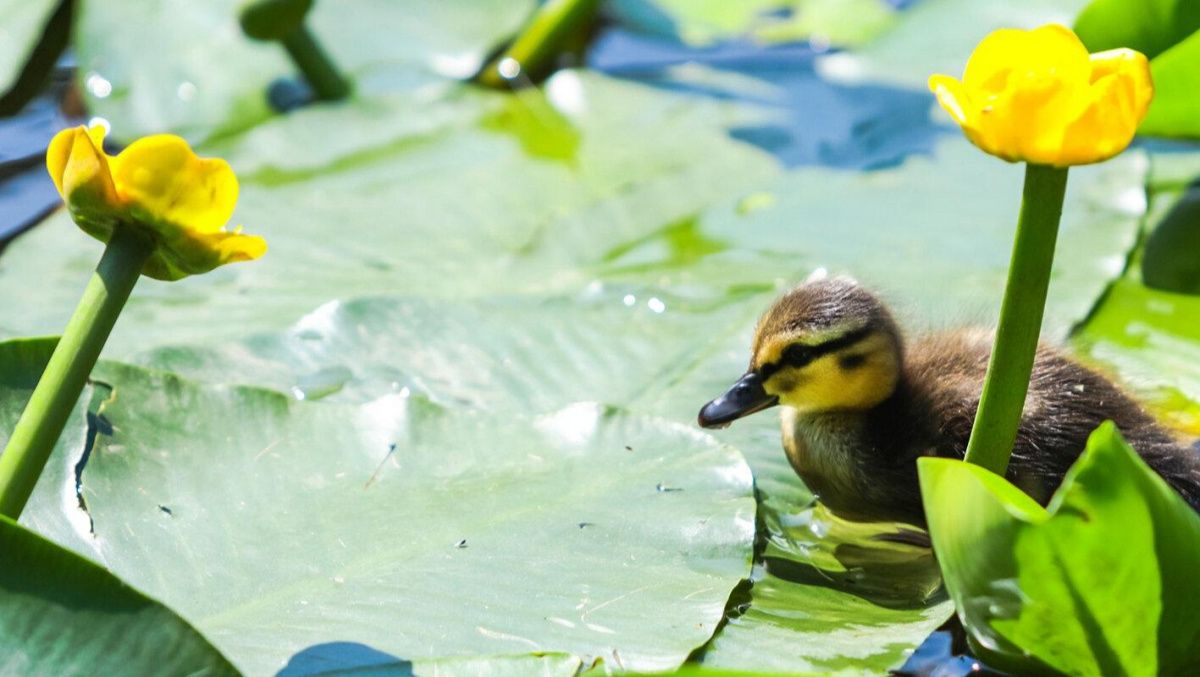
{"type": "Point", "coordinates": [344, 658]}
{"type": "Point", "coordinates": [806, 119]}
{"type": "Point", "coordinates": [884, 563]}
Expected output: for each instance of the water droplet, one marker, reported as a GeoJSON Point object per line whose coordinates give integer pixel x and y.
{"type": "Point", "coordinates": [629, 300]}
{"type": "Point", "coordinates": [565, 91]}
{"type": "Point", "coordinates": [455, 66]}
{"type": "Point", "coordinates": [101, 123]}
{"type": "Point", "coordinates": [186, 91]}
{"type": "Point", "coordinates": [321, 383]}
{"type": "Point", "coordinates": [97, 85]}
{"type": "Point", "coordinates": [819, 528]}
{"type": "Point", "coordinates": [509, 68]}
{"type": "Point", "coordinates": [656, 305]}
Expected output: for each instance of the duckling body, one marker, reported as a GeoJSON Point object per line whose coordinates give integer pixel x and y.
{"type": "Point", "coordinates": [859, 406]}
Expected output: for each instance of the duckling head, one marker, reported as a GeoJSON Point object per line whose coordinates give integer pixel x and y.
{"type": "Point", "coordinates": [827, 345]}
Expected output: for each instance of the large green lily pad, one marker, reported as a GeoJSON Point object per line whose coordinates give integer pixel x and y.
{"type": "Point", "coordinates": [808, 626]}
{"type": "Point", "coordinates": [701, 23]}
{"type": "Point", "coordinates": [217, 84]}
{"type": "Point", "coordinates": [63, 615]}
{"type": "Point", "coordinates": [937, 36]}
{"type": "Point", "coordinates": [385, 211]}
{"type": "Point", "coordinates": [417, 530]}
{"type": "Point", "coordinates": [634, 243]}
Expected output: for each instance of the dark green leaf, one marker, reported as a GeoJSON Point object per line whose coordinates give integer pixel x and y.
{"type": "Point", "coordinates": [1149, 26]}
{"type": "Point", "coordinates": [41, 59]}
{"type": "Point", "coordinates": [1165, 31]}
{"type": "Point", "coordinates": [1056, 587]}
{"type": "Point", "coordinates": [62, 615]}
{"type": "Point", "coordinates": [24, 22]}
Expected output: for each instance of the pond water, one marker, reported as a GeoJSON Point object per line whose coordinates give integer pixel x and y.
{"type": "Point", "coordinates": [443, 256]}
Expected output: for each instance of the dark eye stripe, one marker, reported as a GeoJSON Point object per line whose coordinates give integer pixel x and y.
{"type": "Point", "coordinates": [807, 354]}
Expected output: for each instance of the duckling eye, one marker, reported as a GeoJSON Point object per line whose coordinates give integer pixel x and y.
{"type": "Point", "coordinates": [797, 355]}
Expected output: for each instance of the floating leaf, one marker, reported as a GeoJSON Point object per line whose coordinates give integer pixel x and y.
{"type": "Point", "coordinates": [220, 87]}
{"type": "Point", "coordinates": [404, 526]}
{"type": "Point", "coordinates": [838, 22]}
{"type": "Point", "coordinates": [63, 615]}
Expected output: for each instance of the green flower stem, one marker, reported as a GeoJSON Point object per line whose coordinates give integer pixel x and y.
{"type": "Point", "coordinates": [1011, 365]}
{"type": "Point", "coordinates": [42, 422]}
{"type": "Point", "coordinates": [327, 83]}
{"type": "Point", "coordinates": [531, 53]}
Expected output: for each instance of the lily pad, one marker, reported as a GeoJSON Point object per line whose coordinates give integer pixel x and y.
{"type": "Point", "coordinates": [63, 615]}
{"type": "Point", "coordinates": [219, 85]}
{"type": "Point", "coordinates": [908, 55]}
{"type": "Point", "coordinates": [389, 214]}
{"type": "Point", "coordinates": [806, 625]}
{"type": "Point", "coordinates": [420, 531]}
{"type": "Point", "coordinates": [837, 22]}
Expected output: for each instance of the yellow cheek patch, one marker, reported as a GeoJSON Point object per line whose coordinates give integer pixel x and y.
{"type": "Point", "coordinates": [825, 385]}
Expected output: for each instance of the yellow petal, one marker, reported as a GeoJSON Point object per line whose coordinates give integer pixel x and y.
{"type": "Point", "coordinates": [1133, 69]}
{"type": "Point", "coordinates": [1038, 96]}
{"type": "Point", "coordinates": [1106, 127]}
{"type": "Point", "coordinates": [1029, 122]}
{"type": "Point", "coordinates": [157, 185]}
{"type": "Point", "coordinates": [1011, 54]}
{"type": "Point", "coordinates": [954, 98]}
{"type": "Point", "coordinates": [163, 181]}
{"type": "Point", "coordinates": [84, 179]}
{"type": "Point", "coordinates": [58, 153]}
{"type": "Point", "coordinates": [181, 253]}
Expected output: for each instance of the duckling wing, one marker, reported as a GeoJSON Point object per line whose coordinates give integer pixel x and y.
{"type": "Point", "coordinates": [1066, 402]}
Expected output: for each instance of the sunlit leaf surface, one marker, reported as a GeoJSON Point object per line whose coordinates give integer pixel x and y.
{"type": "Point", "coordinates": [449, 268]}
{"type": "Point", "coordinates": [412, 528]}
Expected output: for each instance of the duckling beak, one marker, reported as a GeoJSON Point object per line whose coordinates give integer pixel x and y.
{"type": "Point", "coordinates": [744, 398]}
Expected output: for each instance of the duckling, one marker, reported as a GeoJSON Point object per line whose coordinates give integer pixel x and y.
{"type": "Point", "coordinates": [859, 406]}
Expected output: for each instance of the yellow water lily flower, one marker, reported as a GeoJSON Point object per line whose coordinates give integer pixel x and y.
{"type": "Point", "coordinates": [1038, 96]}
{"type": "Point", "coordinates": [159, 187]}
